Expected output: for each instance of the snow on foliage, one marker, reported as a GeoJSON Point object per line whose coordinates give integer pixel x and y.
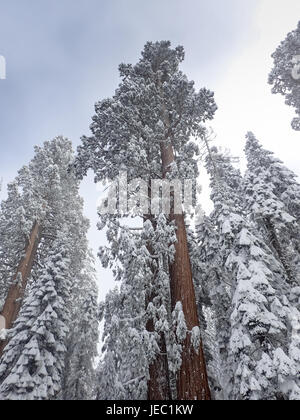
{"type": "Point", "coordinates": [285, 74]}
{"type": "Point", "coordinates": [33, 365]}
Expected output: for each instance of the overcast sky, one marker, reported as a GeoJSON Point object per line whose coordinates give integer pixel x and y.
{"type": "Point", "coordinates": [63, 55]}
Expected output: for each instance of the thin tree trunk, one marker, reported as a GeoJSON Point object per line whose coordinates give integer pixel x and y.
{"type": "Point", "coordinates": [17, 289]}
{"type": "Point", "coordinates": [192, 381]}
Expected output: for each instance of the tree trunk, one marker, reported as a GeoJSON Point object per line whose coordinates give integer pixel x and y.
{"type": "Point", "coordinates": [192, 381]}
{"type": "Point", "coordinates": [17, 289]}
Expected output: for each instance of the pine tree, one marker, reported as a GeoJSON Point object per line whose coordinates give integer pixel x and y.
{"type": "Point", "coordinates": [273, 199]}
{"type": "Point", "coordinates": [33, 362]}
{"type": "Point", "coordinates": [13, 236]}
{"type": "Point", "coordinates": [213, 292]}
{"type": "Point", "coordinates": [47, 191]}
{"type": "Point", "coordinates": [285, 76]}
{"type": "Point", "coordinates": [130, 346]}
{"type": "Point", "coordinates": [261, 351]}
{"type": "Point", "coordinates": [146, 129]}
{"type": "Point", "coordinates": [36, 208]}
{"type": "Point", "coordinates": [80, 379]}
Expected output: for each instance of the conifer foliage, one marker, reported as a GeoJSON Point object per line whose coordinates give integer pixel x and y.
{"type": "Point", "coordinates": [34, 357]}
{"type": "Point", "coordinates": [208, 311]}
{"type": "Point", "coordinates": [285, 75]}
{"type": "Point", "coordinates": [255, 318]}
{"type": "Point", "coordinates": [146, 129]}
{"type": "Point", "coordinates": [273, 197]}
{"type": "Point", "coordinates": [45, 193]}
{"type": "Point", "coordinates": [79, 376]}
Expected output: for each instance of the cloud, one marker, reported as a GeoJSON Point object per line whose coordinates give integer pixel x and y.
{"type": "Point", "coordinates": [63, 55]}
{"type": "Point", "coordinates": [244, 96]}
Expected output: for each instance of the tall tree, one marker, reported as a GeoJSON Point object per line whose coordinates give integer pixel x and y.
{"type": "Point", "coordinates": [273, 199]}
{"type": "Point", "coordinates": [30, 217]}
{"type": "Point", "coordinates": [285, 75]}
{"type": "Point", "coordinates": [130, 346]}
{"type": "Point", "coordinates": [146, 129]}
{"type": "Point", "coordinates": [261, 351]}
{"type": "Point", "coordinates": [33, 363]}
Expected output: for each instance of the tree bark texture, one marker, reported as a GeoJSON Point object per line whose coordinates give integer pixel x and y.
{"type": "Point", "coordinates": [192, 381]}
{"type": "Point", "coordinates": [17, 289]}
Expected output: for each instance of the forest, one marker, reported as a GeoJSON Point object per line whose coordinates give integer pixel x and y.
{"type": "Point", "coordinates": [206, 306]}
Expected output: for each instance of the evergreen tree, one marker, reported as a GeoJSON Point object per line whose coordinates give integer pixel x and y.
{"type": "Point", "coordinates": [273, 200]}
{"type": "Point", "coordinates": [145, 129]}
{"type": "Point", "coordinates": [261, 350]}
{"type": "Point", "coordinates": [80, 379]}
{"type": "Point", "coordinates": [213, 292]}
{"type": "Point", "coordinates": [285, 76]}
{"type": "Point", "coordinates": [130, 346]}
{"type": "Point", "coordinates": [33, 362]}
{"type": "Point", "coordinates": [45, 194]}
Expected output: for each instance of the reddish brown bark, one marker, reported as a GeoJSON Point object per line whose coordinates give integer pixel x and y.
{"type": "Point", "coordinates": [17, 289]}
{"type": "Point", "coordinates": [192, 381]}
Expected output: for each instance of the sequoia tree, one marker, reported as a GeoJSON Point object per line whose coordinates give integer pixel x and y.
{"type": "Point", "coordinates": [145, 129]}
{"type": "Point", "coordinates": [45, 283]}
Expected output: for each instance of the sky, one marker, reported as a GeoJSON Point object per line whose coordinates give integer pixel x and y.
{"type": "Point", "coordinates": [63, 55]}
